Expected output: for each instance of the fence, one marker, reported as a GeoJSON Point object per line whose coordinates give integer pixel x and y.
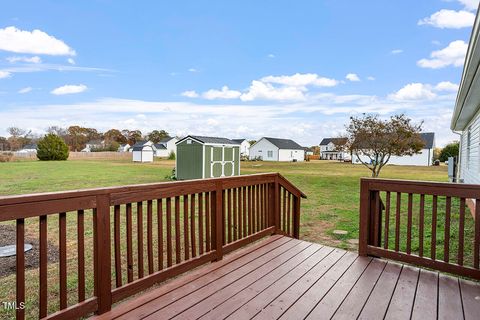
{"type": "Point", "coordinates": [142, 234]}
{"type": "Point", "coordinates": [432, 229]}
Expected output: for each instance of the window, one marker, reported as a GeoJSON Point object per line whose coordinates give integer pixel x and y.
{"type": "Point", "coordinates": [189, 141]}
{"type": "Point", "coordinates": [270, 153]}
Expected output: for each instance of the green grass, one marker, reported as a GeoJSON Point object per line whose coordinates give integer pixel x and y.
{"type": "Point", "coordinates": [332, 189]}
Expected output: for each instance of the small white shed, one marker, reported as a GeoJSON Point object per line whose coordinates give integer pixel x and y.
{"type": "Point", "coordinates": [143, 153]}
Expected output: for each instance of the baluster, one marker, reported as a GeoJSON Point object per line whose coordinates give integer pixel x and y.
{"type": "Point", "coordinates": [160, 233]}
{"type": "Point", "coordinates": [128, 217]}
{"type": "Point", "coordinates": [409, 224]}
{"type": "Point", "coordinates": [178, 257]}
{"type": "Point", "coordinates": [62, 221]}
{"type": "Point", "coordinates": [461, 231]}
{"type": "Point", "coordinates": [200, 224]}
{"type": "Point", "coordinates": [116, 240]}
{"type": "Point", "coordinates": [169, 232]}
{"type": "Point", "coordinates": [192, 226]}
{"type": "Point", "coordinates": [43, 296]}
{"type": "Point", "coordinates": [150, 236]}
{"type": "Point", "coordinates": [421, 224]}
{"type": "Point", "coordinates": [20, 268]}
{"type": "Point", "coordinates": [185, 227]}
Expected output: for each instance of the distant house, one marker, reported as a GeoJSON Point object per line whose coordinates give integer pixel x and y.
{"type": "Point", "coordinates": [143, 151]}
{"type": "Point", "coordinates": [423, 158]}
{"type": "Point", "coordinates": [166, 146]}
{"type": "Point", "coordinates": [275, 149]}
{"type": "Point", "coordinates": [28, 148]}
{"type": "Point", "coordinates": [124, 148]}
{"type": "Point", "coordinates": [93, 144]}
{"type": "Point", "coordinates": [308, 151]}
{"type": "Point", "coordinates": [332, 149]}
{"type": "Point", "coordinates": [244, 147]}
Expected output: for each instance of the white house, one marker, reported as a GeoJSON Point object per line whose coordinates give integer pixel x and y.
{"type": "Point", "coordinates": [93, 144]}
{"type": "Point", "coordinates": [244, 147]}
{"type": "Point", "coordinates": [331, 149]}
{"type": "Point", "coordinates": [423, 158]}
{"type": "Point", "coordinates": [166, 146]}
{"type": "Point", "coordinates": [143, 151]}
{"type": "Point", "coordinates": [28, 148]}
{"type": "Point", "coordinates": [466, 115]}
{"type": "Point", "coordinates": [274, 149]}
{"type": "Point", "coordinates": [124, 148]}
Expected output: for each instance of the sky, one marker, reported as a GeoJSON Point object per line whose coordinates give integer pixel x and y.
{"type": "Point", "coordinates": [236, 69]}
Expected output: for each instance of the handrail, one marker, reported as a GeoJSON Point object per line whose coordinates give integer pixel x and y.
{"type": "Point", "coordinates": [395, 215]}
{"type": "Point", "coordinates": [181, 224]}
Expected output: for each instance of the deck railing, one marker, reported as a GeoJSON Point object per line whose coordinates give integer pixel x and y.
{"type": "Point", "coordinates": [434, 225]}
{"type": "Point", "coordinates": [125, 239]}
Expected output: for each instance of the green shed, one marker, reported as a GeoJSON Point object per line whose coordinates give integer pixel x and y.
{"type": "Point", "coordinates": [201, 157]}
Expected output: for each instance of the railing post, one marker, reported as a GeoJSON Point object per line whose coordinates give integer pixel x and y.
{"type": "Point", "coordinates": [276, 205]}
{"type": "Point", "coordinates": [296, 217]}
{"type": "Point", "coordinates": [218, 223]}
{"type": "Point", "coordinates": [102, 253]}
{"type": "Point", "coordinates": [363, 234]}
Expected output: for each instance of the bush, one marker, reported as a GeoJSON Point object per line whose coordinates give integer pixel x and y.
{"type": "Point", "coordinates": [172, 176]}
{"type": "Point", "coordinates": [450, 150]}
{"type": "Point", "coordinates": [6, 156]}
{"type": "Point", "coordinates": [52, 147]}
{"type": "Point", "coordinates": [171, 155]}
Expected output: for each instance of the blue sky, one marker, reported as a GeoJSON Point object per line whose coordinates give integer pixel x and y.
{"type": "Point", "coordinates": [237, 69]}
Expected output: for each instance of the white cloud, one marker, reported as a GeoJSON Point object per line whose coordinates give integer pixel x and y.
{"type": "Point", "coordinates": [471, 5]}
{"type": "Point", "coordinates": [224, 93]}
{"type": "Point", "coordinates": [192, 70]}
{"type": "Point", "coordinates": [450, 19]}
{"type": "Point", "coordinates": [301, 80]}
{"type": "Point", "coordinates": [453, 54]}
{"type": "Point", "coordinates": [370, 78]}
{"type": "Point", "coordinates": [71, 61]}
{"type": "Point", "coordinates": [69, 89]}
{"type": "Point", "coordinates": [34, 59]}
{"type": "Point", "coordinates": [266, 91]}
{"type": "Point", "coordinates": [25, 90]}
{"type": "Point", "coordinates": [190, 94]}
{"type": "Point", "coordinates": [352, 77]}
{"type": "Point", "coordinates": [271, 55]}
{"type": "Point", "coordinates": [4, 74]}
{"type": "Point", "coordinates": [33, 42]}
{"type": "Point", "coordinates": [396, 51]}
{"type": "Point", "coordinates": [413, 91]}
{"type": "Point", "coordinates": [446, 86]}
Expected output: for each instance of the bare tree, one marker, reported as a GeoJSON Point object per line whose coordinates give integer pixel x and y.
{"type": "Point", "coordinates": [373, 141]}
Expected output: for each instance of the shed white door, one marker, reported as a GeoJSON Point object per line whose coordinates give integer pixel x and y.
{"type": "Point", "coordinates": [223, 161]}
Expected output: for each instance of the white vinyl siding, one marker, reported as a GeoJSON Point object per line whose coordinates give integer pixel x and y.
{"type": "Point", "coordinates": [469, 152]}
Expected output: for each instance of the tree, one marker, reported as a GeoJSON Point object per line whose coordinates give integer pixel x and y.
{"type": "Point", "coordinates": [4, 144]}
{"type": "Point", "coordinates": [132, 136]}
{"type": "Point", "coordinates": [373, 141]}
{"type": "Point", "coordinates": [252, 142]}
{"type": "Point", "coordinates": [450, 150]}
{"type": "Point", "coordinates": [59, 131]}
{"type": "Point", "coordinates": [77, 137]}
{"type": "Point", "coordinates": [17, 137]}
{"type": "Point", "coordinates": [114, 135]}
{"type": "Point", "coordinates": [156, 136]}
{"type": "Point", "coordinates": [52, 147]}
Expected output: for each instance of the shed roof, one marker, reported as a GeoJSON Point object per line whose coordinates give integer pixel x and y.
{"type": "Point", "coordinates": [141, 148]}
{"type": "Point", "coordinates": [160, 146]}
{"type": "Point", "coordinates": [284, 143]}
{"type": "Point", "coordinates": [336, 141]}
{"type": "Point", "coordinates": [210, 140]}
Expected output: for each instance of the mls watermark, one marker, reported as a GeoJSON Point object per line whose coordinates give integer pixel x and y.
{"type": "Point", "coordinates": [12, 305]}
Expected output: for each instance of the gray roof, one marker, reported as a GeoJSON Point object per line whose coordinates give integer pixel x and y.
{"type": "Point", "coordinates": [428, 138]}
{"type": "Point", "coordinates": [211, 140]}
{"type": "Point", "coordinates": [139, 143]}
{"type": "Point", "coordinates": [140, 148]}
{"type": "Point", "coordinates": [284, 143]}
{"type": "Point", "coordinates": [160, 146]}
{"type": "Point", "coordinates": [239, 141]}
{"type": "Point", "coordinates": [337, 141]}
{"type": "Point", "coordinates": [165, 140]}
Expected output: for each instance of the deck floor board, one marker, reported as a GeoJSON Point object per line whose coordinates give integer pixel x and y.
{"type": "Point", "coordinates": [293, 279]}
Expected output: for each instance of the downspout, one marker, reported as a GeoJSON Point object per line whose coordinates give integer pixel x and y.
{"type": "Point", "coordinates": [459, 152]}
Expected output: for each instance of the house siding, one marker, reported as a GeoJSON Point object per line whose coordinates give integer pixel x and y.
{"type": "Point", "coordinates": [469, 164]}
{"type": "Point", "coordinates": [261, 148]}
{"type": "Point", "coordinates": [290, 155]}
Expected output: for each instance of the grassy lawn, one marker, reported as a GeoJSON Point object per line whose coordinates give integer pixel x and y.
{"type": "Point", "coordinates": [332, 189]}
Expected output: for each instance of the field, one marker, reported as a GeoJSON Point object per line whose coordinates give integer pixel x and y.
{"type": "Point", "coordinates": [332, 204]}
{"type": "Point", "coordinates": [332, 187]}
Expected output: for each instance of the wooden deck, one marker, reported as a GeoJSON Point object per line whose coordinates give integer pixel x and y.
{"type": "Point", "coordinates": [281, 277]}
